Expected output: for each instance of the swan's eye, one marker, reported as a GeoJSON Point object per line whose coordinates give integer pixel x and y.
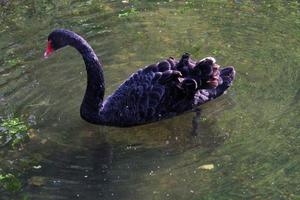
{"type": "Point", "coordinates": [49, 49]}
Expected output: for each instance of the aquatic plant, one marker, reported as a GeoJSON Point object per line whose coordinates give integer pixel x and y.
{"type": "Point", "coordinates": [127, 13]}
{"type": "Point", "coordinates": [10, 183]}
{"type": "Point", "coordinates": [13, 131]}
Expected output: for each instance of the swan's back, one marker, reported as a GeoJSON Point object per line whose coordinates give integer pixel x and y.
{"type": "Point", "coordinates": [143, 97]}
{"type": "Point", "coordinates": [158, 91]}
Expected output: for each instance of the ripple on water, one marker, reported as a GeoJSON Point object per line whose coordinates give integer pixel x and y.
{"type": "Point", "coordinates": [249, 135]}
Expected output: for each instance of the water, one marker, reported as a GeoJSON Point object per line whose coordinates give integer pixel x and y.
{"type": "Point", "coordinates": [250, 135]}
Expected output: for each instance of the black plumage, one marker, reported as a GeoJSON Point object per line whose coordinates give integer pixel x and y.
{"type": "Point", "coordinates": [156, 92]}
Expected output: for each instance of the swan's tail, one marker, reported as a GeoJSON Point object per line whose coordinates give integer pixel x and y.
{"type": "Point", "coordinates": [227, 74]}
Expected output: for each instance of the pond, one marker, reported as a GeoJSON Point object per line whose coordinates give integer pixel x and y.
{"type": "Point", "coordinates": [247, 145]}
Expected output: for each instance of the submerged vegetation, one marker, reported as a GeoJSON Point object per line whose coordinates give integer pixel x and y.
{"type": "Point", "coordinates": [13, 132]}
{"type": "Point", "coordinates": [126, 13]}
{"type": "Point", "coordinates": [10, 183]}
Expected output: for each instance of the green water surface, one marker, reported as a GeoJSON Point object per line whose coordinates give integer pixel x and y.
{"type": "Point", "coordinates": [251, 135]}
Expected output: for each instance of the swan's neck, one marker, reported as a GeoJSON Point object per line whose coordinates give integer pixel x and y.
{"type": "Point", "coordinates": [93, 98]}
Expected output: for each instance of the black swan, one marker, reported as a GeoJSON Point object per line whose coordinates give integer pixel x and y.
{"type": "Point", "coordinates": [158, 91]}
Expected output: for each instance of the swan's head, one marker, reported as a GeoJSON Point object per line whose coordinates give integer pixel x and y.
{"type": "Point", "coordinates": [58, 39]}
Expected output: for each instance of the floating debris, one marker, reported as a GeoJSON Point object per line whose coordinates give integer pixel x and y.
{"type": "Point", "coordinates": [37, 167]}
{"type": "Point", "coordinates": [207, 167]}
{"type": "Point", "coordinates": [37, 181]}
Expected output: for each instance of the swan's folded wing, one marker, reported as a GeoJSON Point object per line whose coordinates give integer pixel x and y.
{"type": "Point", "coordinates": [150, 94]}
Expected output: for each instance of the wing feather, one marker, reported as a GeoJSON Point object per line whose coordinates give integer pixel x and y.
{"type": "Point", "coordinates": [158, 91]}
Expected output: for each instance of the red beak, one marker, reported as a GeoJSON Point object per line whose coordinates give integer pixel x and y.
{"type": "Point", "coordinates": [49, 50]}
